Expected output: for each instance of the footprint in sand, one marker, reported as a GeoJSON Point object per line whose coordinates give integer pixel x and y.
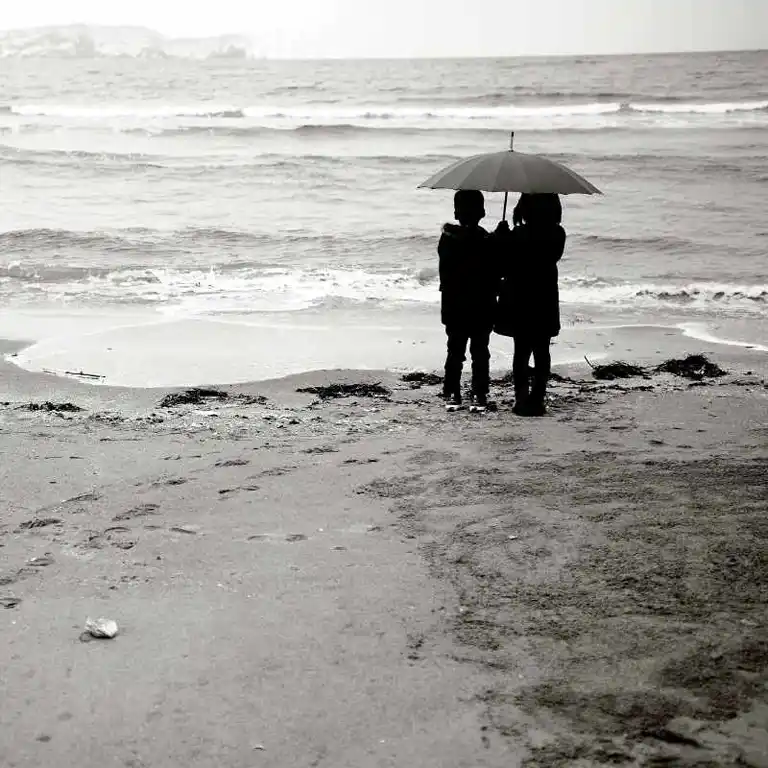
{"type": "Point", "coordinates": [85, 497]}
{"type": "Point", "coordinates": [224, 492]}
{"type": "Point", "coordinates": [188, 529]}
{"type": "Point", "coordinates": [42, 522]}
{"type": "Point", "coordinates": [117, 529]}
{"type": "Point", "coordinates": [142, 510]}
{"type": "Point", "coordinates": [41, 562]}
{"type": "Point", "coordinates": [274, 472]}
{"type": "Point", "coordinates": [124, 544]}
{"type": "Point", "coordinates": [9, 602]}
{"type": "Point", "coordinates": [290, 538]}
{"type": "Point", "coordinates": [116, 537]}
{"type": "Point", "coordinates": [170, 481]}
{"type": "Point", "coordinates": [92, 540]}
{"type": "Point", "coordinates": [112, 536]}
{"type": "Point", "coordinates": [8, 578]}
{"type": "Point", "coordinates": [232, 463]}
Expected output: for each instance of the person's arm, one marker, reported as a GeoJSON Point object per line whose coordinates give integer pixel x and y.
{"type": "Point", "coordinates": [558, 244]}
{"type": "Point", "coordinates": [446, 249]}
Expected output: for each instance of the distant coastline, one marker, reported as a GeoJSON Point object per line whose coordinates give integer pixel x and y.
{"type": "Point", "coordinates": [88, 41]}
{"type": "Point", "coordinates": [83, 41]}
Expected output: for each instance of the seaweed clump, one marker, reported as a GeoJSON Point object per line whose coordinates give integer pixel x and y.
{"type": "Point", "coordinates": [194, 396]}
{"type": "Point", "coordinates": [52, 407]}
{"type": "Point", "coordinates": [418, 379]}
{"type": "Point", "coordinates": [361, 389]}
{"type": "Point", "coordinates": [696, 367]}
{"type": "Point", "coordinates": [617, 370]}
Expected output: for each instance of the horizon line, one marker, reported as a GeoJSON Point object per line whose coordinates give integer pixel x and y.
{"type": "Point", "coordinates": [253, 54]}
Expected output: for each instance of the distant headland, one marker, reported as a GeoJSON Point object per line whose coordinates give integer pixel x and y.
{"type": "Point", "coordinates": [88, 41]}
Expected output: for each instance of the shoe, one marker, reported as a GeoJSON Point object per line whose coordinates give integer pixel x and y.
{"type": "Point", "coordinates": [453, 403]}
{"type": "Point", "coordinates": [479, 404]}
{"type": "Point", "coordinates": [521, 400]}
{"type": "Point", "coordinates": [530, 408]}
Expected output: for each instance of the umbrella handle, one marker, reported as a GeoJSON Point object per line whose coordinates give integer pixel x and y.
{"type": "Point", "coordinates": [506, 194]}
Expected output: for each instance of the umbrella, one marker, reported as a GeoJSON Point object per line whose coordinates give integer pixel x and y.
{"type": "Point", "coordinates": [511, 171]}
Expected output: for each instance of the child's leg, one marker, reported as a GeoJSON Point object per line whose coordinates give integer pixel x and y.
{"type": "Point", "coordinates": [481, 356]}
{"type": "Point", "coordinates": [542, 362]}
{"type": "Point", "coordinates": [522, 355]}
{"type": "Point", "coordinates": [454, 361]}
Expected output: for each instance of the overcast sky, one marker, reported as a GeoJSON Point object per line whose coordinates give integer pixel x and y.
{"type": "Point", "coordinates": [352, 28]}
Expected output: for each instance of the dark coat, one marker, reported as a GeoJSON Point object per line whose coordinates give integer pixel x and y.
{"type": "Point", "coordinates": [529, 301]}
{"type": "Point", "coordinates": [469, 277]}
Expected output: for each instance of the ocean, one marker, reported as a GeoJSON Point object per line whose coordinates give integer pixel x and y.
{"type": "Point", "coordinates": [175, 221]}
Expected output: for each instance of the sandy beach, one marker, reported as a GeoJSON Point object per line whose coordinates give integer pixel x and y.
{"type": "Point", "coordinates": [366, 580]}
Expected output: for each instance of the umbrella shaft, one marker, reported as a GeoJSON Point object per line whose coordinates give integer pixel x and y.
{"type": "Point", "coordinates": [504, 215]}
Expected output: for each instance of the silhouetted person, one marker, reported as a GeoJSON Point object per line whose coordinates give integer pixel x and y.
{"type": "Point", "coordinates": [468, 286]}
{"type": "Point", "coordinates": [529, 302]}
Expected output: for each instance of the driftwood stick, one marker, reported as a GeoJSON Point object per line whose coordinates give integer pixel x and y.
{"type": "Point", "coordinates": [84, 374]}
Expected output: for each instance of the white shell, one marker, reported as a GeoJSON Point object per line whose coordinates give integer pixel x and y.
{"type": "Point", "coordinates": [101, 627]}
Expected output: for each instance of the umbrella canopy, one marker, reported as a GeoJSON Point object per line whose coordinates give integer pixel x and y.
{"type": "Point", "coordinates": [511, 171]}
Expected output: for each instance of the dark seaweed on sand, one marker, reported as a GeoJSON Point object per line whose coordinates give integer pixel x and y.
{"type": "Point", "coordinates": [347, 390]}
{"type": "Point", "coordinates": [251, 399]}
{"type": "Point", "coordinates": [198, 395]}
{"type": "Point", "coordinates": [421, 379]}
{"type": "Point", "coordinates": [617, 370]}
{"type": "Point", "coordinates": [52, 407]}
{"type": "Point", "coordinates": [194, 396]}
{"type": "Point", "coordinates": [692, 367]}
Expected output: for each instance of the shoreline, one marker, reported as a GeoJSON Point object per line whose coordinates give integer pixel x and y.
{"type": "Point", "coordinates": [211, 351]}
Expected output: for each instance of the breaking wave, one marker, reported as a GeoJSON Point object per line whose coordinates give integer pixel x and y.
{"type": "Point", "coordinates": [702, 295]}
{"type": "Point", "coordinates": [329, 114]}
{"type": "Point", "coordinates": [245, 287]}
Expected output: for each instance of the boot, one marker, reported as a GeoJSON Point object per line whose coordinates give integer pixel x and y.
{"type": "Point", "coordinates": [521, 398]}
{"type": "Point", "coordinates": [535, 405]}
{"type": "Point", "coordinates": [451, 386]}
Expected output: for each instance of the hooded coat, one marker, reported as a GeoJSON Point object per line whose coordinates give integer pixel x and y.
{"type": "Point", "coordinates": [529, 300]}
{"type": "Point", "coordinates": [469, 277]}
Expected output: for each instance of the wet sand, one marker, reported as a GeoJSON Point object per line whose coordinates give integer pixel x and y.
{"type": "Point", "coordinates": [369, 581]}
{"type": "Point", "coordinates": [132, 350]}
